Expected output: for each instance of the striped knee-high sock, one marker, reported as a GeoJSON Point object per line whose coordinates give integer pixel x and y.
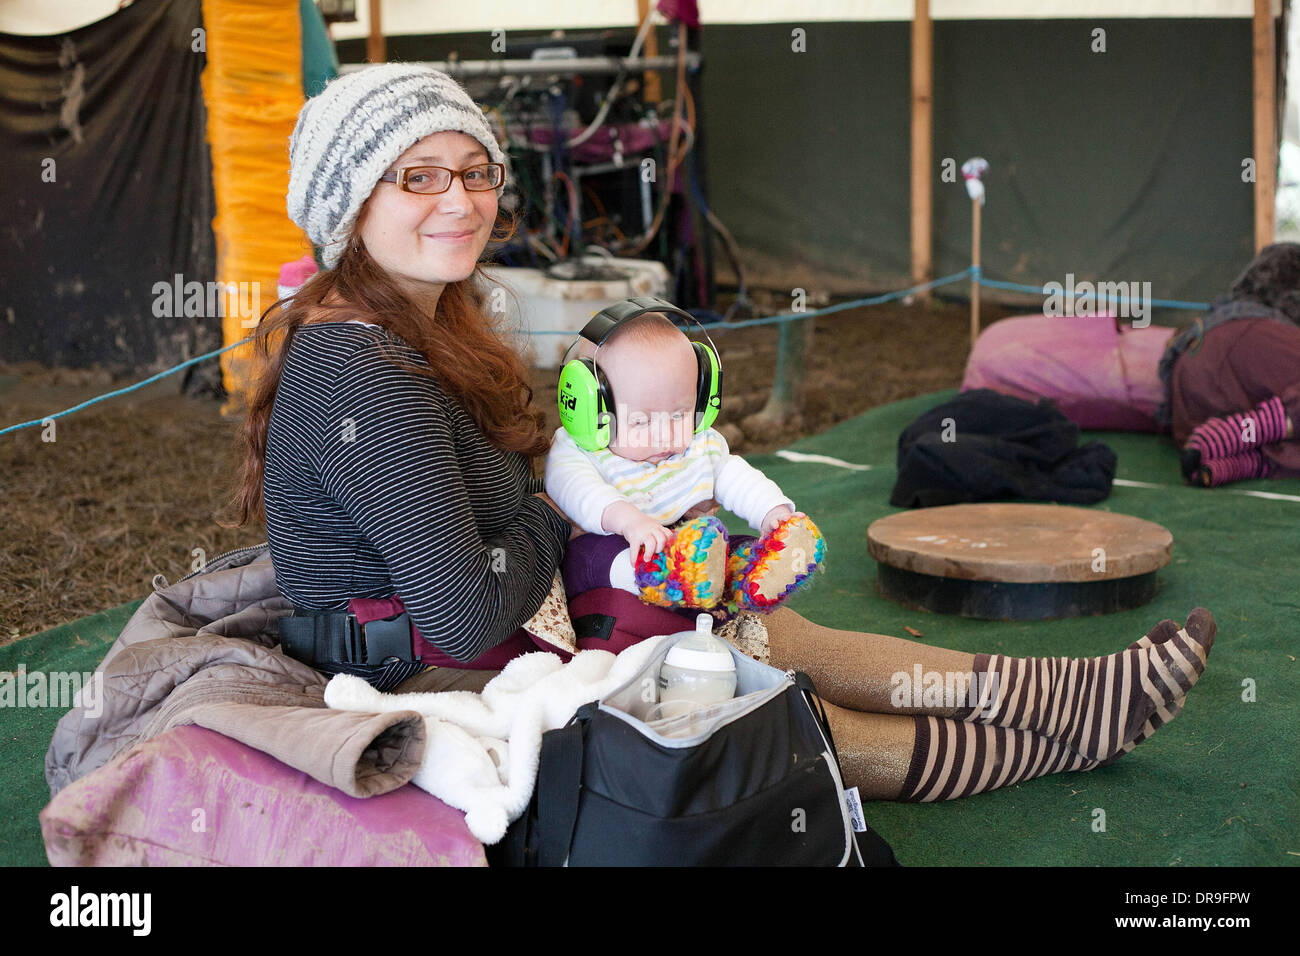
{"type": "Point", "coordinates": [954, 758]}
{"type": "Point", "coordinates": [1233, 434]}
{"type": "Point", "coordinates": [1221, 471]}
{"type": "Point", "coordinates": [1092, 705]}
{"type": "Point", "coordinates": [1161, 715]}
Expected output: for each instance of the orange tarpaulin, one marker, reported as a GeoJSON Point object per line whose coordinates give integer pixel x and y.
{"type": "Point", "coordinates": [252, 86]}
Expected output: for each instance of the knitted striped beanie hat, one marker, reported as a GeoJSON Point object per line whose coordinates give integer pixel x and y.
{"type": "Point", "coordinates": [348, 135]}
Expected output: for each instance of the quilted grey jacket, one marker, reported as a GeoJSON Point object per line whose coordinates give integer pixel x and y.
{"type": "Point", "coordinates": [204, 651]}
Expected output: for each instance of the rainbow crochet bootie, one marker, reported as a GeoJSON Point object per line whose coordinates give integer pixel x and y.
{"type": "Point", "coordinates": [762, 574]}
{"type": "Point", "coordinates": [691, 569]}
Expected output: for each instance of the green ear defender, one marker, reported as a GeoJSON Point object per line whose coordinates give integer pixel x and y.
{"type": "Point", "coordinates": [584, 409]}
{"type": "Point", "coordinates": [586, 398]}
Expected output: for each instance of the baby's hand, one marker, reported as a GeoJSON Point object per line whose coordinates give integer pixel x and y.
{"type": "Point", "coordinates": [646, 534]}
{"type": "Point", "coordinates": [775, 517]}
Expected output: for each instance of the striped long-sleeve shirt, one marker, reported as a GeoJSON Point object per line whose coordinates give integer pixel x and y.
{"type": "Point", "coordinates": [377, 482]}
{"type": "Point", "coordinates": [584, 483]}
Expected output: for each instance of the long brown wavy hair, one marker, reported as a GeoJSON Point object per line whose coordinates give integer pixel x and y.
{"type": "Point", "coordinates": [465, 349]}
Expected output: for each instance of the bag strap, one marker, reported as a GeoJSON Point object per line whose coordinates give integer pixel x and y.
{"type": "Point", "coordinates": [805, 684]}
{"type": "Point", "coordinates": [880, 852]}
{"type": "Point", "coordinates": [559, 786]}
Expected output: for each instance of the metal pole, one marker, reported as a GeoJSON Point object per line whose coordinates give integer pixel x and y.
{"type": "Point", "coordinates": [975, 266]}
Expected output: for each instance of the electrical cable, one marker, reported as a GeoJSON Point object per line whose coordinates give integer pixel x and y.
{"type": "Point", "coordinates": [615, 91]}
{"type": "Point", "coordinates": [729, 244]}
{"type": "Point", "coordinates": [675, 149]}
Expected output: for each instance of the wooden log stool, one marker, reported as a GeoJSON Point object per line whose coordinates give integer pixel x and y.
{"type": "Point", "coordinates": [1018, 562]}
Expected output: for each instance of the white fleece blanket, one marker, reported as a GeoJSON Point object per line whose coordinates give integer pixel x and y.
{"type": "Point", "coordinates": [482, 750]}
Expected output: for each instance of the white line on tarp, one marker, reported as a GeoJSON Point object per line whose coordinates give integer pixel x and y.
{"type": "Point", "coordinates": [1125, 482]}
{"type": "Point", "coordinates": [1274, 495]}
{"type": "Point", "coordinates": [820, 459]}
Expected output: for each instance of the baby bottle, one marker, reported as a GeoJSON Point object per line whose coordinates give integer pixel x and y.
{"type": "Point", "coordinates": [699, 669]}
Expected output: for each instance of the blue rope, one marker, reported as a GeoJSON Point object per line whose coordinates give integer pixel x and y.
{"type": "Point", "coordinates": [122, 391]}
{"type": "Point", "coordinates": [830, 309]}
{"type": "Point", "coordinates": [1039, 290]}
{"type": "Point", "coordinates": [797, 316]}
{"type": "Point", "coordinates": [969, 272]}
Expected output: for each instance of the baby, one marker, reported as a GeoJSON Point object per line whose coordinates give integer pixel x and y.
{"type": "Point", "coordinates": [639, 497]}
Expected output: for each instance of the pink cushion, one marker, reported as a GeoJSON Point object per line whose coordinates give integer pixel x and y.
{"type": "Point", "coordinates": [192, 796]}
{"type": "Point", "coordinates": [1099, 376]}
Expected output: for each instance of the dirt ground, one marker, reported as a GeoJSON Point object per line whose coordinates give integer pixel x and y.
{"type": "Point", "coordinates": [131, 487]}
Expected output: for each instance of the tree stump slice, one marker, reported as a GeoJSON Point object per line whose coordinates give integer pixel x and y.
{"type": "Point", "coordinates": [1018, 561]}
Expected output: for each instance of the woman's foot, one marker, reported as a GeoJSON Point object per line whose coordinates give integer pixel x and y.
{"type": "Point", "coordinates": [1097, 706]}
{"type": "Point", "coordinates": [1162, 632]}
{"type": "Point", "coordinates": [691, 569]}
{"type": "Point", "coordinates": [987, 757]}
{"type": "Point", "coordinates": [763, 574]}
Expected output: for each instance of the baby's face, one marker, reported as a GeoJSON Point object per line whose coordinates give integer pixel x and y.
{"type": "Point", "coordinates": [654, 394]}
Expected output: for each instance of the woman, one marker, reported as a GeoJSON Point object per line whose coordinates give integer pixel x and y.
{"type": "Point", "coordinates": [390, 439]}
{"type": "Point", "coordinates": [1233, 377]}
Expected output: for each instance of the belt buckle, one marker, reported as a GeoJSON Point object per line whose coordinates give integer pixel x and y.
{"type": "Point", "coordinates": [384, 639]}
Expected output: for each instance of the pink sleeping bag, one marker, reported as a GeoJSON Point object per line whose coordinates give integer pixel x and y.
{"type": "Point", "coordinates": [1100, 376]}
{"type": "Point", "coordinates": [193, 797]}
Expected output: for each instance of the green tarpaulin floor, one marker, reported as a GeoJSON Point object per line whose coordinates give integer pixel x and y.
{"type": "Point", "coordinates": [1217, 786]}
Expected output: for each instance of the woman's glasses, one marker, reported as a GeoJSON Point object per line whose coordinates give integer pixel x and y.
{"type": "Point", "coordinates": [431, 180]}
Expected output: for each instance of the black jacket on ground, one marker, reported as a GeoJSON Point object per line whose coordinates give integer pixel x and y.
{"type": "Point", "coordinates": [998, 447]}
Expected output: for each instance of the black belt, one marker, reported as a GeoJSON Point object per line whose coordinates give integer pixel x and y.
{"type": "Point", "coordinates": [334, 637]}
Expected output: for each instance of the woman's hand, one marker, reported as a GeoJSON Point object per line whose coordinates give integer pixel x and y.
{"type": "Point", "coordinates": [574, 529]}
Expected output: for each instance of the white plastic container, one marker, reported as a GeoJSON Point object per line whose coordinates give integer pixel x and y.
{"type": "Point", "coordinates": [558, 308]}
{"type": "Point", "coordinates": [699, 669]}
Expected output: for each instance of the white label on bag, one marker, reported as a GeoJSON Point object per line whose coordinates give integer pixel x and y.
{"type": "Point", "coordinates": [856, 816]}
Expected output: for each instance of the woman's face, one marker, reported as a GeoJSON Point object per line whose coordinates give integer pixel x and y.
{"type": "Point", "coordinates": [426, 241]}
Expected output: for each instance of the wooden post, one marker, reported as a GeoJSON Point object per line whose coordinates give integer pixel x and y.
{"type": "Point", "coordinates": [375, 51]}
{"type": "Point", "coordinates": [922, 143]}
{"type": "Point", "coordinates": [793, 345]}
{"type": "Point", "coordinates": [975, 205]}
{"type": "Point", "coordinates": [1265, 124]}
{"type": "Point", "coordinates": [651, 91]}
